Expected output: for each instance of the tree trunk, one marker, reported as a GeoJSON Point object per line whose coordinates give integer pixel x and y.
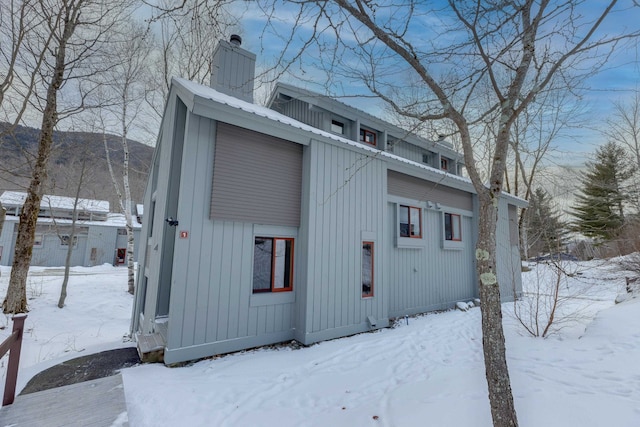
{"type": "Point", "coordinates": [16, 298]}
{"type": "Point", "coordinates": [500, 396]}
{"type": "Point", "coordinates": [74, 218]}
{"type": "Point", "coordinates": [67, 263]}
{"type": "Point", "coordinates": [3, 214]}
{"type": "Point", "coordinates": [127, 205]}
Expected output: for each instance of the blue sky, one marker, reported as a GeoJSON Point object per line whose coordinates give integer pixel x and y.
{"type": "Point", "coordinates": [617, 77]}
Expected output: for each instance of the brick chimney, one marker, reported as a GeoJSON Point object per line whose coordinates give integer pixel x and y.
{"type": "Point", "coordinates": [233, 69]}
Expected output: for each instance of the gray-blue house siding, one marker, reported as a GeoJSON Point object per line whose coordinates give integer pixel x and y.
{"type": "Point", "coordinates": [229, 173]}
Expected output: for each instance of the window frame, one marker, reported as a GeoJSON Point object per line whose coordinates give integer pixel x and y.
{"type": "Point", "coordinates": [409, 210]}
{"type": "Point", "coordinates": [366, 132]}
{"type": "Point", "coordinates": [272, 289]}
{"type": "Point", "coordinates": [68, 236]}
{"type": "Point", "coordinates": [337, 124]}
{"type": "Point", "coordinates": [444, 164]}
{"type": "Point", "coordinates": [38, 242]}
{"type": "Point", "coordinates": [453, 227]}
{"type": "Point", "coordinates": [371, 292]}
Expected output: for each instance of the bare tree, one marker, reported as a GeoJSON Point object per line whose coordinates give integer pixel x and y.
{"type": "Point", "coordinates": [76, 28]}
{"type": "Point", "coordinates": [126, 87]}
{"type": "Point", "coordinates": [624, 127]}
{"type": "Point", "coordinates": [71, 237]}
{"type": "Point", "coordinates": [188, 32]}
{"type": "Point", "coordinates": [461, 51]}
{"type": "Point", "coordinates": [25, 37]}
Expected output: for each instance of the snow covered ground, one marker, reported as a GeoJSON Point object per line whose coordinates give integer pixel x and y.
{"type": "Point", "coordinates": [428, 372]}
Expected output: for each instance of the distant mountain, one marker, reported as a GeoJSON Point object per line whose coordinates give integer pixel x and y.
{"type": "Point", "coordinates": [71, 149]}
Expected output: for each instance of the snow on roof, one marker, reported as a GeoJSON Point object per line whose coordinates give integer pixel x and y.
{"type": "Point", "coordinates": [17, 198]}
{"type": "Point", "coordinates": [209, 93]}
{"type": "Point", "coordinates": [113, 220]}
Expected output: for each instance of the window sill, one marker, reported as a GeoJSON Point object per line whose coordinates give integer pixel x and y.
{"type": "Point", "coordinates": [409, 243]}
{"type": "Point", "coordinates": [271, 298]}
{"type": "Point", "coordinates": [452, 245]}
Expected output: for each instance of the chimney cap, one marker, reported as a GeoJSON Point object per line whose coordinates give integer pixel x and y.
{"type": "Point", "coordinates": [235, 40]}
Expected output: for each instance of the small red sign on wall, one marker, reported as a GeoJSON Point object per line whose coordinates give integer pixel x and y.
{"type": "Point", "coordinates": [184, 234]}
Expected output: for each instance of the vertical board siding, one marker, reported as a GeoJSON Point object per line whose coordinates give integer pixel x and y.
{"type": "Point", "coordinates": [345, 201]}
{"type": "Point", "coordinates": [299, 110]}
{"type": "Point", "coordinates": [6, 241]}
{"type": "Point", "coordinates": [430, 277]}
{"type": "Point", "coordinates": [408, 151]}
{"type": "Point", "coordinates": [211, 289]}
{"type": "Point", "coordinates": [233, 71]}
{"type": "Point", "coordinates": [508, 262]}
{"type": "Point", "coordinates": [419, 189]}
{"type": "Point", "coordinates": [256, 178]}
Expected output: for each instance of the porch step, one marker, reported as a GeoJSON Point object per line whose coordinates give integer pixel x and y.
{"type": "Point", "coordinates": [95, 403]}
{"type": "Point", "coordinates": [150, 347]}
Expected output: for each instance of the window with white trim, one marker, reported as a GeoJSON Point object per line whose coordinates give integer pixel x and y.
{"type": "Point", "coordinates": [337, 127]}
{"type": "Point", "coordinates": [410, 221]}
{"type": "Point", "coordinates": [38, 240]}
{"type": "Point", "coordinates": [452, 227]}
{"type": "Point", "coordinates": [272, 264]}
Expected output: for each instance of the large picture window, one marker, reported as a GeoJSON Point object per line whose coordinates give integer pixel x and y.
{"type": "Point", "coordinates": [410, 222]}
{"type": "Point", "coordinates": [452, 227]}
{"type": "Point", "coordinates": [367, 269]}
{"type": "Point", "coordinates": [272, 264]}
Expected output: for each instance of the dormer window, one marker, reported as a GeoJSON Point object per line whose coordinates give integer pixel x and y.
{"type": "Point", "coordinates": [368, 137]}
{"type": "Point", "coordinates": [337, 127]}
{"type": "Point", "coordinates": [444, 164]}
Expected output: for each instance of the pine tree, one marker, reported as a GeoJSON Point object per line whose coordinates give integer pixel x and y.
{"type": "Point", "coordinates": [599, 208]}
{"type": "Point", "coordinates": [545, 230]}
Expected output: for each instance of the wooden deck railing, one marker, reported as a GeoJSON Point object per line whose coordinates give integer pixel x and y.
{"type": "Point", "coordinates": [12, 344]}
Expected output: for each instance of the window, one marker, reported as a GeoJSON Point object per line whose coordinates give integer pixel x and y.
{"type": "Point", "coordinates": [94, 254]}
{"type": "Point", "coordinates": [444, 164]}
{"type": "Point", "coordinates": [122, 231]}
{"type": "Point", "coordinates": [426, 158]}
{"type": "Point", "coordinates": [452, 227]}
{"type": "Point", "coordinates": [38, 240]}
{"type": "Point", "coordinates": [337, 127]}
{"type": "Point", "coordinates": [272, 264]}
{"type": "Point", "coordinates": [65, 238]}
{"type": "Point", "coordinates": [410, 222]}
{"type": "Point", "coordinates": [367, 269]}
{"type": "Point", "coordinates": [367, 136]}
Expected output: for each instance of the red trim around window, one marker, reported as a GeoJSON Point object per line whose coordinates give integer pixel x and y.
{"type": "Point", "coordinates": [444, 164]}
{"type": "Point", "coordinates": [455, 226]}
{"type": "Point", "coordinates": [368, 137]}
{"type": "Point", "coordinates": [288, 287]}
{"type": "Point", "coordinates": [408, 233]}
{"type": "Point", "coordinates": [288, 260]}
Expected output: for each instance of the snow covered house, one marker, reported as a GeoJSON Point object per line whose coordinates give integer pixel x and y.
{"type": "Point", "coordinates": [307, 220]}
{"type": "Point", "coordinates": [100, 236]}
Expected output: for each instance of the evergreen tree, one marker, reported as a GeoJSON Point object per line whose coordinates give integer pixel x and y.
{"type": "Point", "coordinates": [545, 230]}
{"type": "Point", "coordinates": [599, 208]}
